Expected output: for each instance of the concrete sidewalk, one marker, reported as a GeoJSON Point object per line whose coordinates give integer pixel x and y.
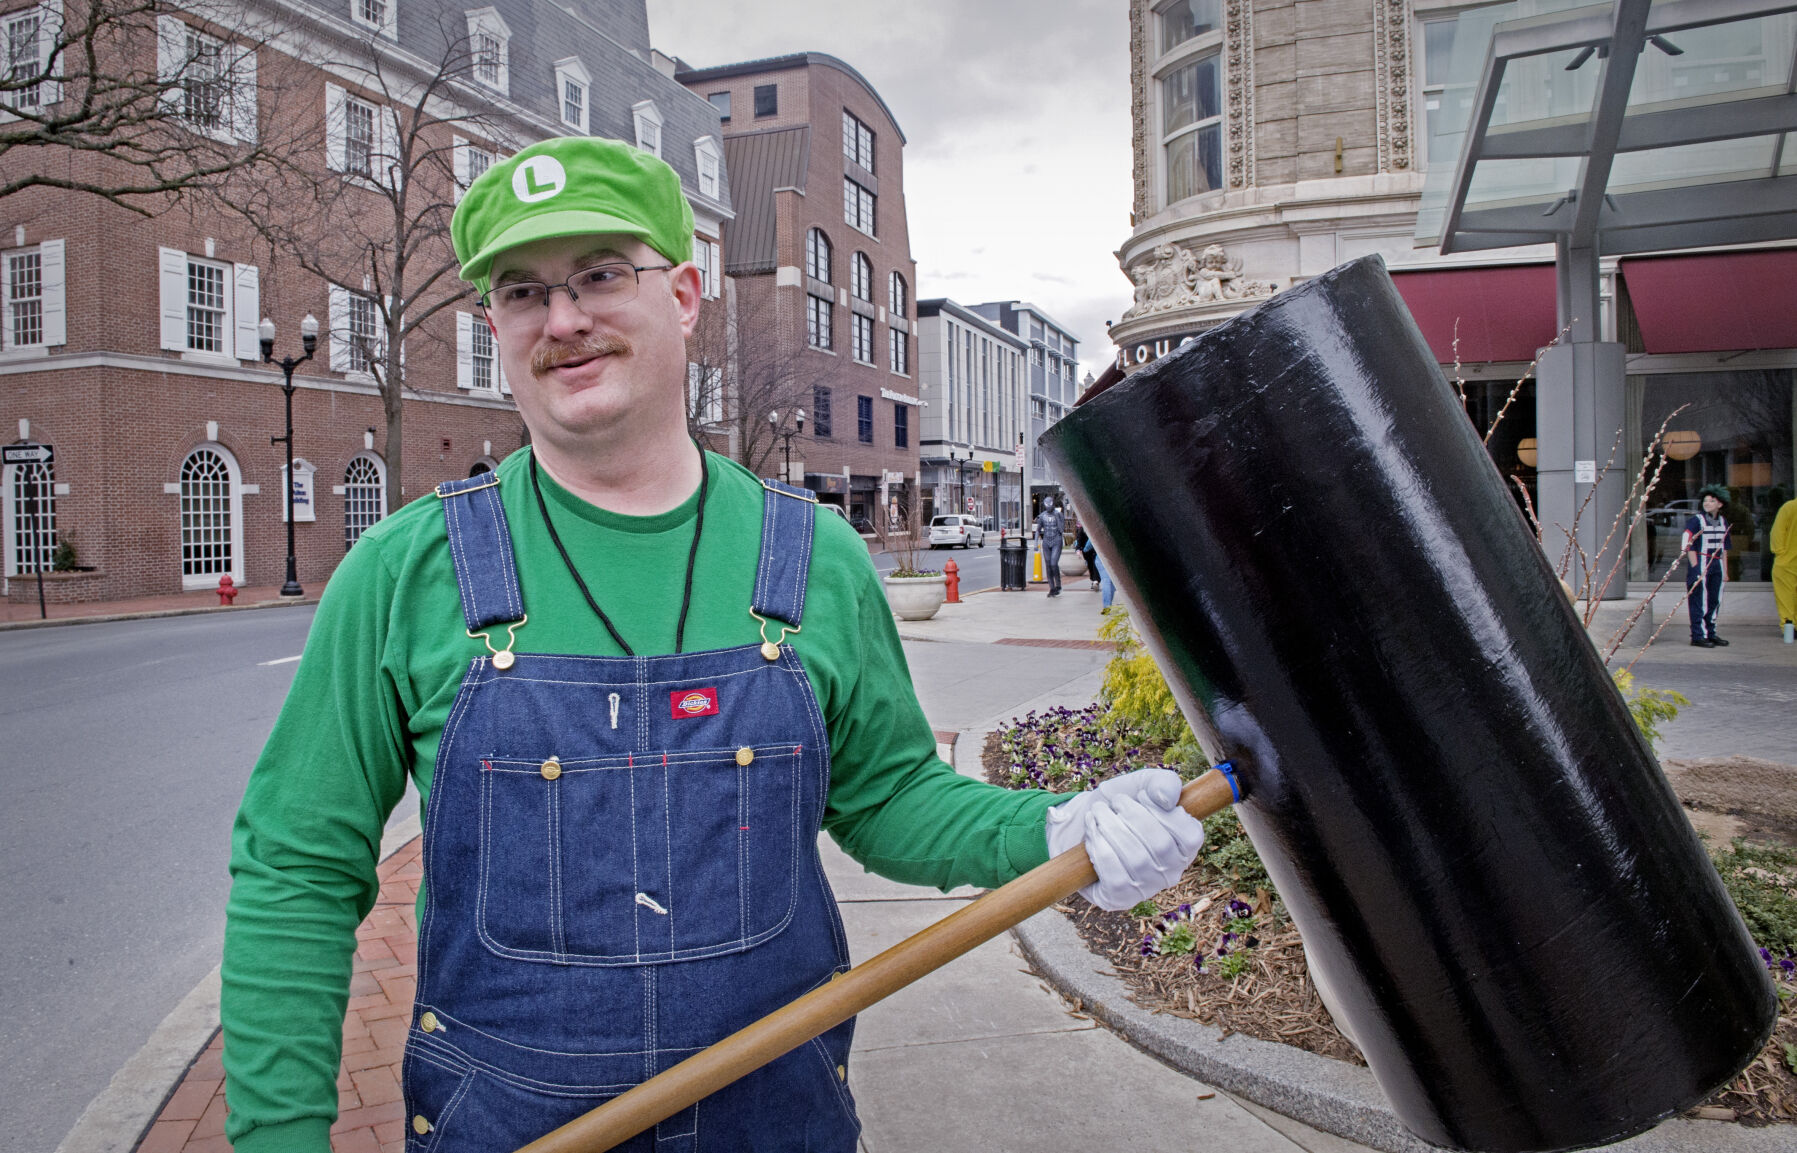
{"type": "Point", "coordinates": [979, 1055]}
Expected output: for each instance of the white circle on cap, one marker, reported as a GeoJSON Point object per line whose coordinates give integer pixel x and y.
{"type": "Point", "coordinates": [538, 178]}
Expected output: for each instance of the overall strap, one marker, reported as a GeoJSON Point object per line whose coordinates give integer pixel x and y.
{"type": "Point", "coordinates": [787, 517]}
{"type": "Point", "coordinates": [481, 546]}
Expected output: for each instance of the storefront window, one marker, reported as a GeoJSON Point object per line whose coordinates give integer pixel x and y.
{"type": "Point", "coordinates": [1735, 429]}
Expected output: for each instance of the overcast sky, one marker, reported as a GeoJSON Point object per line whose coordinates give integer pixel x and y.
{"type": "Point", "coordinates": [1016, 121]}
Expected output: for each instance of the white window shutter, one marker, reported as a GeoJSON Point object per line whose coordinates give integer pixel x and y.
{"type": "Point", "coordinates": [464, 350]}
{"type": "Point", "coordinates": [339, 328]}
{"type": "Point", "coordinates": [333, 127]}
{"type": "Point", "coordinates": [171, 56]}
{"type": "Point", "coordinates": [54, 282]}
{"type": "Point", "coordinates": [505, 386]}
{"type": "Point", "coordinates": [460, 152]}
{"type": "Point", "coordinates": [714, 409]}
{"type": "Point", "coordinates": [243, 97]}
{"type": "Point", "coordinates": [247, 310]}
{"type": "Point", "coordinates": [173, 277]}
{"type": "Point", "coordinates": [49, 32]}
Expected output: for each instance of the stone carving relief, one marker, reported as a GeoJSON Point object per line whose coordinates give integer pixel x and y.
{"type": "Point", "coordinates": [1175, 277]}
{"type": "Point", "coordinates": [1238, 99]}
{"type": "Point", "coordinates": [1391, 68]}
{"type": "Point", "coordinates": [1140, 19]}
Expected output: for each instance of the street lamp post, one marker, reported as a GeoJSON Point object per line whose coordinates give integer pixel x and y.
{"type": "Point", "coordinates": [961, 475]}
{"type": "Point", "coordinates": [309, 341]}
{"type": "Point", "coordinates": [785, 437]}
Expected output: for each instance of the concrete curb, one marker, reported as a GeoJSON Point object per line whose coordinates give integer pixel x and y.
{"type": "Point", "coordinates": [116, 1120]}
{"type": "Point", "coordinates": [150, 614]}
{"type": "Point", "coordinates": [1330, 1095]}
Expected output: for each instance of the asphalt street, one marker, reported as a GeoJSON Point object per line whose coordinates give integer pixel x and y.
{"type": "Point", "coordinates": [127, 746]}
{"type": "Point", "coordinates": [978, 566]}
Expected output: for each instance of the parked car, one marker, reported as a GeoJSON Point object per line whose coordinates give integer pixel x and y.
{"type": "Point", "coordinates": [947, 531]}
{"type": "Point", "coordinates": [1673, 513]}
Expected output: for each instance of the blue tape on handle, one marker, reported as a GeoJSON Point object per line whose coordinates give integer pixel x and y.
{"type": "Point", "coordinates": [1227, 768]}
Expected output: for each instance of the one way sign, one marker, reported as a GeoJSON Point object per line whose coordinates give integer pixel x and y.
{"type": "Point", "coordinates": [27, 454]}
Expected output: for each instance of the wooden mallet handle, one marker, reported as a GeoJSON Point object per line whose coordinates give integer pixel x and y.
{"type": "Point", "coordinates": [823, 1008]}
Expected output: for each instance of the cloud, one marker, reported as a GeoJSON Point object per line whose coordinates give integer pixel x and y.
{"type": "Point", "coordinates": [1016, 117]}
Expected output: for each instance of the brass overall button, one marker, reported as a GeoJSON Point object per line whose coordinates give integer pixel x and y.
{"type": "Point", "coordinates": [770, 651]}
{"type": "Point", "coordinates": [842, 1073]}
{"type": "Point", "coordinates": [428, 1022]}
{"type": "Point", "coordinates": [744, 755]}
{"type": "Point", "coordinates": [420, 1126]}
{"type": "Point", "coordinates": [552, 768]}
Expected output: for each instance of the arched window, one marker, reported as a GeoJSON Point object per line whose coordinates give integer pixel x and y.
{"type": "Point", "coordinates": [817, 255]}
{"type": "Point", "coordinates": [861, 278]}
{"type": "Point", "coordinates": [30, 519]}
{"type": "Point", "coordinates": [209, 518]}
{"type": "Point", "coordinates": [364, 497]}
{"type": "Point", "coordinates": [484, 464]}
{"type": "Point", "coordinates": [898, 299]}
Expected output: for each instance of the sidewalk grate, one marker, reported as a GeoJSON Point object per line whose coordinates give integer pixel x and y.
{"type": "Point", "coordinates": [1046, 643]}
{"type": "Point", "coordinates": [371, 1115]}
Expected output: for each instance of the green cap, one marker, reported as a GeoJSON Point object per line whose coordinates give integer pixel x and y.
{"type": "Point", "coordinates": [571, 186]}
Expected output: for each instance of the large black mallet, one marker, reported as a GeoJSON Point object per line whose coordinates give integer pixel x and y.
{"type": "Point", "coordinates": [1498, 892]}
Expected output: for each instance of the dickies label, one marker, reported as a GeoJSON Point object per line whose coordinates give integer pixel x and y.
{"type": "Point", "coordinates": [693, 703]}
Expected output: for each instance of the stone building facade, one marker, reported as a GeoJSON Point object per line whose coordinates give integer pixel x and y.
{"type": "Point", "coordinates": [974, 382]}
{"type": "Point", "coordinates": [822, 307]}
{"type": "Point", "coordinates": [1276, 139]}
{"type": "Point", "coordinates": [129, 344]}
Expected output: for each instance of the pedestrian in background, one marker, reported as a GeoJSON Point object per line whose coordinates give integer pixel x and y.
{"type": "Point", "coordinates": [1783, 540]}
{"type": "Point", "coordinates": [1051, 529]}
{"type": "Point", "coordinates": [1706, 544]}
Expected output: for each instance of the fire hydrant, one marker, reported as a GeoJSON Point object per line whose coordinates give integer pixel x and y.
{"type": "Point", "coordinates": [227, 590]}
{"type": "Point", "coordinates": [952, 571]}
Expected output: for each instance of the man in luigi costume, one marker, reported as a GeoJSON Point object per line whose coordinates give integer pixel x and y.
{"type": "Point", "coordinates": [1706, 543]}
{"type": "Point", "coordinates": [631, 682]}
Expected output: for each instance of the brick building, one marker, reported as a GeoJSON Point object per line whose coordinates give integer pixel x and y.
{"type": "Point", "coordinates": [822, 280]}
{"type": "Point", "coordinates": [129, 342]}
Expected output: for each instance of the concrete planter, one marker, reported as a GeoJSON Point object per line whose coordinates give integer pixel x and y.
{"type": "Point", "coordinates": [1073, 564]}
{"type": "Point", "coordinates": [916, 598]}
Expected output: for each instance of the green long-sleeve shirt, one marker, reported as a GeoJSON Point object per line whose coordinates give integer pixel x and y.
{"type": "Point", "coordinates": [382, 667]}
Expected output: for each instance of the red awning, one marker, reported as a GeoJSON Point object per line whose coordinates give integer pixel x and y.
{"type": "Point", "coordinates": [1715, 302]}
{"type": "Point", "coordinates": [1504, 313]}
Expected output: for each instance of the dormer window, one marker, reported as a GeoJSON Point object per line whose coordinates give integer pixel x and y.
{"type": "Point", "coordinates": [489, 49]}
{"type": "Point", "coordinates": [648, 126]}
{"type": "Point", "coordinates": [573, 85]}
{"type": "Point", "coordinates": [705, 155]}
{"type": "Point", "coordinates": [377, 15]}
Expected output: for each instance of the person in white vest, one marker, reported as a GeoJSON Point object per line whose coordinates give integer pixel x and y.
{"type": "Point", "coordinates": [1706, 544]}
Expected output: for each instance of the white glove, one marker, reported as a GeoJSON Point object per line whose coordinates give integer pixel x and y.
{"type": "Point", "coordinates": [1139, 839]}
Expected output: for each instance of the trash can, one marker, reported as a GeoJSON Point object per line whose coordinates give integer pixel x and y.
{"type": "Point", "coordinates": [1013, 563]}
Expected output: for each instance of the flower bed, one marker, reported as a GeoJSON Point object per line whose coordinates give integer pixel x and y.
{"type": "Point", "coordinates": [1219, 947]}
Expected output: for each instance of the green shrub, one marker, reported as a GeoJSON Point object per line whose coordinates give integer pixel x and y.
{"type": "Point", "coordinates": [1136, 694]}
{"type": "Point", "coordinates": [1649, 707]}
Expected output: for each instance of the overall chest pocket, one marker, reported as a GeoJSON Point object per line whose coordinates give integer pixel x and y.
{"type": "Point", "coordinates": [640, 859]}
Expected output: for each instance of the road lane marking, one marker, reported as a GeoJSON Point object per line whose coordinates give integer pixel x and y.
{"type": "Point", "coordinates": [282, 661]}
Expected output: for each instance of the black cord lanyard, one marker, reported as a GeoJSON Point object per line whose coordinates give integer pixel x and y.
{"type": "Point", "coordinates": [686, 597]}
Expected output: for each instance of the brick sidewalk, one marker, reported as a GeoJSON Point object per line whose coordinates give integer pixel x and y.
{"type": "Point", "coordinates": [371, 1116]}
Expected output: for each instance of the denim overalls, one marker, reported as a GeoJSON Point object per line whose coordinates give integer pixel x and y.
{"type": "Point", "coordinates": [621, 863]}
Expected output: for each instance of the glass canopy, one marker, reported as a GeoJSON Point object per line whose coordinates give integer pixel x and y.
{"type": "Point", "coordinates": [1634, 125]}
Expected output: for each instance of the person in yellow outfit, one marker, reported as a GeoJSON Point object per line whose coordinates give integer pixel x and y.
{"type": "Point", "coordinates": [1784, 567]}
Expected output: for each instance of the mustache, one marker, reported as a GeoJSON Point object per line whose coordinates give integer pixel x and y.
{"type": "Point", "coordinates": [544, 359]}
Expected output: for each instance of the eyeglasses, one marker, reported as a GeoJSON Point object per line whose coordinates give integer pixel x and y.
{"type": "Point", "coordinates": [593, 290]}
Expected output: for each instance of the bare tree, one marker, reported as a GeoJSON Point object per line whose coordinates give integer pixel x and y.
{"type": "Point", "coordinates": [370, 213]}
{"type": "Point", "coordinates": [122, 100]}
{"type": "Point", "coordinates": [747, 363]}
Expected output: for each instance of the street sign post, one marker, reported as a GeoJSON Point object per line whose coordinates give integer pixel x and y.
{"type": "Point", "coordinates": [41, 455]}
{"type": "Point", "coordinates": [27, 453]}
